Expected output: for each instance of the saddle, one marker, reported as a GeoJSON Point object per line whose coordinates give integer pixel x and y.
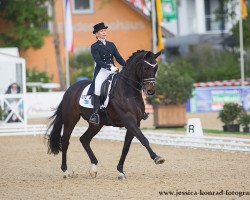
{"type": "Point", "coordinates": [107, 90]}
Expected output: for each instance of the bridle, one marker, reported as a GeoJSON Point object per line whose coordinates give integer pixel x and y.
{"type": "Point", "coordinates": [149, 80]}
{"type": "Point", "coordinates": [153, 65]}
{"type": "Point", "coordinates": [143, 81]}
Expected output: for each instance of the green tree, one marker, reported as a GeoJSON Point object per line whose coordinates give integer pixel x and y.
{"type": "Point", "coordinates": [210, 64]}
{"type": "Point", "coordinates": [230, 13]}
{"type": "Point", "coordinates": [204, 63]}
{"type": "Point", "coordinates": [246, 31]}
{"type": "Point", "coordinates": [34, 75]}
{"type": "Point", "coordinates": [81, 64]}
{"type": "Point", "coordinates": [24, 19]}
{"type": "Point", "coordinates": [174, 86]}
{"type": "Point", "coordinates": [226, 11]}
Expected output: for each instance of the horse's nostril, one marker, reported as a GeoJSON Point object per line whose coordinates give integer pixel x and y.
{"type": "Point", "coordinates": [150, 92]}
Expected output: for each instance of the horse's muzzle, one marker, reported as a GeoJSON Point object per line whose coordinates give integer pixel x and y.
{"type": "Point", "coordinates": [149, 88]}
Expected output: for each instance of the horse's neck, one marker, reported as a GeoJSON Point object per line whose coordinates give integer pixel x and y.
{"type": "Point", "coordinates": [129, 83]}
{"type": "Point", "coordinates": [131, 73]}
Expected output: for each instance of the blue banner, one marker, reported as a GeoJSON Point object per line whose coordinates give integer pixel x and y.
{"type": "Point", "coordinates": [213, 99]}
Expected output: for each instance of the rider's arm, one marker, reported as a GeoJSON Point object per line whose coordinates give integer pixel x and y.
{"type": "Point", "coordinates": [118, 57]}
{"type": "Point", "coordinates": [97, 58]}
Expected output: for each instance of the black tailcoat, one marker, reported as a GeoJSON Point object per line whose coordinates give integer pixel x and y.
{"type": "Point", "coordinates": [103, 56]}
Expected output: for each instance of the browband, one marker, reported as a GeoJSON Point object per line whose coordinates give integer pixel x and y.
{"type": "Point", "coordinates": [153, 65]}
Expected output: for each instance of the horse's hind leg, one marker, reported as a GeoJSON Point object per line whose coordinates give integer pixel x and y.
{"type": "Point", "coordinates": [67, 130]}
{"type": "Point", "coordinates": [85, 140]}
{"type": "Point", "coordinates": [128, 139]}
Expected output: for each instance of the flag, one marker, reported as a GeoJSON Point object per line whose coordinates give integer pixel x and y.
{"type": "Point", "coordinates": [243, 9]}
{"type": "Point", "coordinates": [168, 9]}
{"type": "Point", "coordinates": [140, 5]}
{"type": "Point", "coordinates": [68, 29]}
{"type": "Point", "coordinates": [158, 9]}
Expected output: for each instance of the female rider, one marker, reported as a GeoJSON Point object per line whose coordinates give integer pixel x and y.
{"type": "Point", "coordinates": [103, 52]}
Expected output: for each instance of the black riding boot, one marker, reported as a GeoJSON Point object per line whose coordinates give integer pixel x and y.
{"type": "Point", "coordinates": [94, 118]}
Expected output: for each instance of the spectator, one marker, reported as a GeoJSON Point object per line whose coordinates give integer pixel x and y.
{"type": "Point", "coordinates": [14, 88]}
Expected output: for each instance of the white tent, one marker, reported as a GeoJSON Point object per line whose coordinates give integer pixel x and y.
{"type": "Point", "coordinates": [12, 70]}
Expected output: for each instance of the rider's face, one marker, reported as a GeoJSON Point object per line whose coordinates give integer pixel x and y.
{"type": "Point", "coordinates": [102, 34]}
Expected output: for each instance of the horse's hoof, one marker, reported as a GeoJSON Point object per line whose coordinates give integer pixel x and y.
{"type": "Point", "coordinates": [159, 160]}
{"type": "Point", "coordinates": [65, 174]}
{"type": "Point", "coordinates": [121, 176]}
{"type": "Point", "coordinates": [93, 171]}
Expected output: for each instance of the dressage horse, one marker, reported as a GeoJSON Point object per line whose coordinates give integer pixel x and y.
{"type": "Point", "coordinates": [125, 109]}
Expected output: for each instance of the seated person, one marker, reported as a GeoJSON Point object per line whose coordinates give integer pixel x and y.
{"type": "Point", "coordinates": [14, 88]}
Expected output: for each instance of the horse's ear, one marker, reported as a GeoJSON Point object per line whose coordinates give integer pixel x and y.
{"type": "Point", "coordinates": [159, 53]}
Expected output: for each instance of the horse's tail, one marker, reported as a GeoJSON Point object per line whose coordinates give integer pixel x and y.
{"type": "Point", "coordinates": [54, 138]}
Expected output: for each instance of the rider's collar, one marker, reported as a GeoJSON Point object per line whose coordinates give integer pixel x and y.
{"type": "Point", "coordinates": [102, 40]}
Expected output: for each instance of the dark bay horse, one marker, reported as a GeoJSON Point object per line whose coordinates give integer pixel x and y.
{"type": "Point", "coordinates": [125, 109]}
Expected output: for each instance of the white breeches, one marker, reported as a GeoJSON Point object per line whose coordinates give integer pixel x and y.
{"type": "Point", "coordinates": [100, 78]}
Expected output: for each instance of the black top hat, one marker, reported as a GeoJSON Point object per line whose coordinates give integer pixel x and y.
{"type": "Point", "coordinates": [99, 27]}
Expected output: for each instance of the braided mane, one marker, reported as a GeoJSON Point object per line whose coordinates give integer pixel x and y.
{"type": "Point", "coordinates": [135, 56]}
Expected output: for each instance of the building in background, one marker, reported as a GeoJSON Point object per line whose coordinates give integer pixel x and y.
{"type": "Point", "coordinates": [196, 23]}
{"type": "Point", "coordinates": [128, 29]}
{"type": "Point", "coordinates": [187, 22]}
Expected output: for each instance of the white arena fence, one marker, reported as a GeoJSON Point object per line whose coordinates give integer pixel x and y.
{"type": "Point", "coordinates": [155, 137]}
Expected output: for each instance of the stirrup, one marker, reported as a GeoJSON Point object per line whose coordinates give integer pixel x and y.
{"type": "Point", "coordinates": [145, 116]}
{"type": "Point", "coordinates": [94, 119]}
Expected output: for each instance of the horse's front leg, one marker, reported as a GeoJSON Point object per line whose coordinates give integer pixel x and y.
{"type": "Point", "coordinates": [130, 122]}
{"type": "Point", "coordinates": [128, 139]}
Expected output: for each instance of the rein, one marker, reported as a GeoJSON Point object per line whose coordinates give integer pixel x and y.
{"type": "Point", "coordinates": [124, 78]}
{"type": "Point", "coordinates": [143, 81]}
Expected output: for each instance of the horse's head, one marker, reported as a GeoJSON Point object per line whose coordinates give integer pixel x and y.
{"type": "Point", "coordinates": [149, 68]}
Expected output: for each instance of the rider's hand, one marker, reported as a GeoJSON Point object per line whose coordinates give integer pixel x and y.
{"type": "Point", "coordinates": [113, 68]}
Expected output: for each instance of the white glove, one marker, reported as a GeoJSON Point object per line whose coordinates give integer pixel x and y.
{"type": "Point", "coordinates": [113, 68]}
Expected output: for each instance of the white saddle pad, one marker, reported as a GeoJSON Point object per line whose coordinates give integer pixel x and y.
{"type": "Point", "coordinates": [85, 100]}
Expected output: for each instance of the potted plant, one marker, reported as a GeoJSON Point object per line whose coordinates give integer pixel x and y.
{"type": "Point", "coordinates": [230, 115]}
{"type": "Point", "coordinates": [172, 91]}
{"type": "Point", "coordinates": [245, 121]}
